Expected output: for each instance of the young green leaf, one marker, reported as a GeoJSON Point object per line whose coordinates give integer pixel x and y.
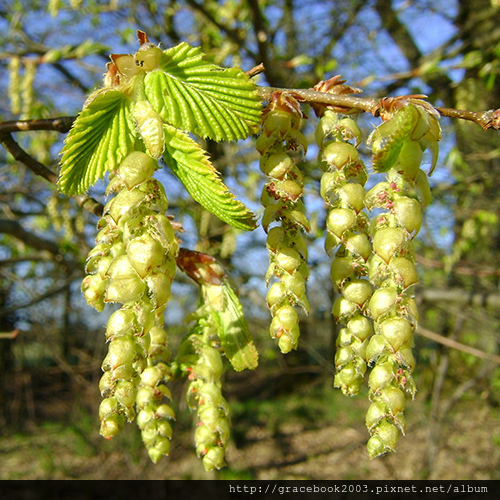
{"type": "Point", "coordinates": [196, 96]}
{"type": "Point", "coordinates": [101, 137]}
{"type": "Point", "coordinates": [233, 331]}
{"type": "Point", "coordinates": [188, 162]}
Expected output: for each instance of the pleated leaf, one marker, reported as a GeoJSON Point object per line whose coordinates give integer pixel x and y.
{"type": "Point", "coordinates": [199, 97]}
{"type": "Point", "coordinates": [187, 160]}
{"type": "Point", "coordinates": [234, 334]}
{"type": "Point", "coordinates": [100, 138]}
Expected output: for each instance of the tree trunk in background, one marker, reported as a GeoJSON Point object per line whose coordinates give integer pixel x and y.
{"type": "Point", "coordinates": [477, 229]}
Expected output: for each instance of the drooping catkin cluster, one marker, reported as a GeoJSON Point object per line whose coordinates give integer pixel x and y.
{"type": "Point", "coordinates": [133, 263]}
{"type": "Point", "coordinates": [397, 147]}
{"type": "Point", "coordinates": [342, 188]}
{"type": "Point", "coordinates": [281, 144]}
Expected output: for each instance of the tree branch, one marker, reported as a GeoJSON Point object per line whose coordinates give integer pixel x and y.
{"type": "Point", "coordinates": [461, 297]}
{"type": "Point", "coordinates": [47, 295]}
{"type": "Point", "coordinates": [85, 201]}
{"type": "Point", "coordinates": [61, 124]}
{"type": "Point", "coordinates": [15, 229]}
{"type": "Point", "coordinates": [456, 345]}
{"type": "Point", "coordinates": [485, 119]}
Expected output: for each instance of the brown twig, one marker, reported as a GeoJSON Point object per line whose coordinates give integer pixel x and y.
{"type": "Point", "coordinates": [8, 142]}
{"type": "Point", "coordinates": [61, 124]}
{"type": "Point", "coordinates": [9, 335]}
{"type": "Point", "coordinates": [457, 345]}
{"type": "Point", "coordinates": [485, 119]}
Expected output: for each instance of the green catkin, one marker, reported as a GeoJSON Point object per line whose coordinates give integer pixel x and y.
{"type": "Point", "coordinates": [200, 354]}
{"type": "Point", "coordinates": [27, 89]}
{"type": "Point", "coordinates": [14, 84]}
{"type": "Point", "coordinates": [280, 144]}
{"type": "Point", "coordinates": [133, 263]}
{"type": "Point", "coordinates": [402, 196]}
{"type": "Point", "coordinates": [342, 187]}
{"type": "Point", "coordinates": [220, 329]}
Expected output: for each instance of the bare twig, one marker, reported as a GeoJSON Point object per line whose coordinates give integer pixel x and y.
{"type": "Point", "coordinates": [15, 229]}
{"type": "Point", "coordinates": [461, 297]}
{"type": "Point", "coordinates": [9, 335]}
{"type": "Point", "coordinates": [47, 295]}
{"type": "Point", "coordinates": [20, 155]}
{"type": "Point", "coordinates": [85, 201]}
{"type": "Point", "coordinates": [456, 345]}
{"type": "Point", "coordinates": [485, 119]}
{"type": "Point", "coordinates": [61, 124]}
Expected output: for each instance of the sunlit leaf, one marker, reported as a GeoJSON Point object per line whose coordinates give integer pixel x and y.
{"type": "Point", "coordinates": [202, 98]}
{"type": "Point", "coordinates": [189, 163]}
{"type": "Point", "coordinates": [102, 135]}
{"type": "Point", "coordinates": [233, 331]}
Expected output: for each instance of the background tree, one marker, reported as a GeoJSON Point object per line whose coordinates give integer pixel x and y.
{"type": "Point", "coordinates": [448, 50]}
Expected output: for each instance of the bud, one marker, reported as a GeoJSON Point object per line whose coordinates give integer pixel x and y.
{"type": "Point", "coordinates": [106, 384]}
{"type": "Point", "coordinates": [358, 291]}
{"type": "Point", "coordinates": [340, 220]}
{"type": "Point", "coordinates": [340, 155]}
{"type": "Point", "coordinates": [123, 203]}
{"type": "Point", "coordinates": [159, 284]}
{"type": "Point", "coordinates": [359, 244]}
{"type": "Point", "coordinates": [388, 242]}
{"type": "Point", "coordinates": [342, 269]}
{"type": "Point", "coordinates": [136, 168]}
{"type": "Point", "coordinates": [144, 254]}
{"type": "Point", "coordinates": [343, 356]}
{"type": "Point", "coordinates": [388, 433]}
{"type": "Point", "coordinates": [288, 190]}
{"type": "Point", "coordinates": [278, 123]}
{"type": "Point", "coordinates": [404, 272]}
{"type": "Point", "coordinates": [94, 288]}
{"type": "Point", "coordinates": [285, 319]}
{"type": "Point", "coordinates": [108, 407]}
{"type": "Point", "coordinates": [379, 195]}
{"type": "Point", "coordinates": [343, 309]}
{"type": "Point", "coordinates": [349, 379]}
{"type": "Point", "coordinates": [125, 290]}
{"type": "Point", "coordinates": [125, 284]}
{"type": "Point", "coordinates": [289, 260]}
{"type": "Point", "coordinates": [352, 195]}
{"type": "Point", "coordinates": [394, 398]}
{"type": "Point", "coordinates": [377, 345]}
{"type": "Point", "coordinates": [382, 302]}
{"type": "Point", "coordinates": [277, 165]}
{"type": "Point", "coordinates": [120, 323]}
{"type": "Point", "coordinates": [360, 326]}
{"type": "Point", "coordinates": [375, 447]}
{"type": "Point", "coordinates": [381, 376]}
{"type": "Point", "coordinates": [397, 331]}
{"type": "Point", "coordinates": [112, 426]}
{"type": "Point", "coordinates": [214, 458]}
{"type": "Point", "coordinates": [408, 213]}
{"type": "Point", "coordinates": [376, 412]}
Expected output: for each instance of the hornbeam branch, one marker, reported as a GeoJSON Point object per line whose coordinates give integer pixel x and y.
{"type": "Point", "coordinates": [485, 119]}
{"type": "Point", "coordinates": [453, 344]}
{"type": "Point", "coordinates": [8, 142]}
